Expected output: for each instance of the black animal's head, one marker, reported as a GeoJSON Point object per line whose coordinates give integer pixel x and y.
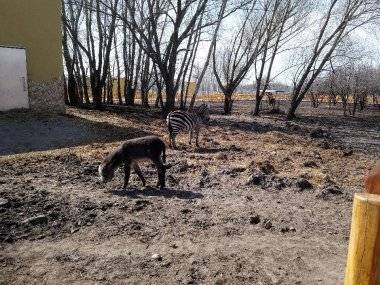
{"type": "Point", "coordinates": [106, 172]}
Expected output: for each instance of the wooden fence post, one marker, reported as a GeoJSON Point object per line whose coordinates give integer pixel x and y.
{"type": "Point", "coordinates": [363, 260]}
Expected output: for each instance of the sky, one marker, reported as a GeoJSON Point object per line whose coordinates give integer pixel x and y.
{"type": "Point", "coordinates": [367, 43]}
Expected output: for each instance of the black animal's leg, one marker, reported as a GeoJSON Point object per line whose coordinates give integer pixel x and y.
{"type": "Point", "coordinates": [127, 172]}
{"type": "Point", "coordinates": [160, 172]}
{"type": "Point", "coordinates": [137, 169]}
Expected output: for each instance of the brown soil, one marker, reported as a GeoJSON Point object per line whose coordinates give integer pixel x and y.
{"type": "Point", "coordinates": [262, 201]}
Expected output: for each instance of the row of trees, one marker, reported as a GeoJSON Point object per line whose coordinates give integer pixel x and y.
{"type": "Point", "coordinates": [146, 44]}
{"type": "Point", "coordinates": [353, 85]}
{"type": "Point", "coordinates": [141, 45]}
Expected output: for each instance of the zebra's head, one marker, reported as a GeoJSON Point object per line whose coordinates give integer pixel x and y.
{"type": "Point", "coordinates": [203, 111]}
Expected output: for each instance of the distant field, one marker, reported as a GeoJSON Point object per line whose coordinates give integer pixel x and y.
{"type": "Point", "coordinates": [219, 97]}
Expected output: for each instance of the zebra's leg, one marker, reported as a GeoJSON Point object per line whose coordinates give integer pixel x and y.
{"type": "Point", "coordinates": [172, 138]}
{"type": "Point", "coordinates": [171, 135]}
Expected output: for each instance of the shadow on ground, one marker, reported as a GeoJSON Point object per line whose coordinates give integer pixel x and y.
{"type": "Point", "coordinates": [360, 132]}
{"type": "Point", "coordinates": [26, 132]}
{"type": "Point", "coordinates": [151, 191]}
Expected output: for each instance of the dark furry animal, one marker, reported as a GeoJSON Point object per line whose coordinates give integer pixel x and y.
{"type": "Point", "coordinates": [129, 152]}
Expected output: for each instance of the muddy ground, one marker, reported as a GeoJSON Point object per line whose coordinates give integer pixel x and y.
{"type": "Point", "coordinates": [263, 201]}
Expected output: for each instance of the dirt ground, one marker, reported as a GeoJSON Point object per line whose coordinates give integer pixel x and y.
{"type": "Point", "coordinates": [263, 201]}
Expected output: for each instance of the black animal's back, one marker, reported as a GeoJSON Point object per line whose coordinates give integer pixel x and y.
{"type": "Point", "coordinates": [144, 147]}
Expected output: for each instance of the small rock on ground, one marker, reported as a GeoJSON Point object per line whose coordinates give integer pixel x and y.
{"type": "Point", "coordinates": [254, 220]}
{"type": "Point", "coordinates": [329, 191]}
{"type": "Point", "coordinates": [267, 224]}
{"type": "Point", "coordinates": [156, 257]}
{"type": "Point", "coordinates": [256, 178]}
{"type": "Point", "coordinates": [303, 184]}
{"type": "Point", "coordinates": [310, 163]}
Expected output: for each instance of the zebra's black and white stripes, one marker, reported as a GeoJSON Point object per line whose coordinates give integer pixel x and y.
{"type": "Point", "coordinates": [187, 121]}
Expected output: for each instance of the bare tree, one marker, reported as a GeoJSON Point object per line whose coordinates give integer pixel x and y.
{"type": "Point", "coordinates": [235, 60]}
{"type": "Point", "coordinates": [171, 24]}
{"type": "Point", "coordinates": [97, 51]}
{"type": "Point", "coordinates": [70, 18]}
{"type": "Point", "coordinates": [210, 51]}
{"type": "Point", "coordinates": [338, 20]}
{"type": "Point", "coordinates": [147, 80]}
{"type": "Point", "coordinates": [283, 22]}
{"type": "Point", "coordinates": [118, 69]}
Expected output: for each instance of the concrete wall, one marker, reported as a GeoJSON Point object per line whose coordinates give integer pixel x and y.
{"type": "Point", "coordinates": [36, 25]}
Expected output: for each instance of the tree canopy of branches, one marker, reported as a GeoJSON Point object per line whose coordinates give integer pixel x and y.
{"type": "Point", "coordinates": [133, 47]}
{"type": "Point", "coordinates": [283, 22]}
{"type": "Point", "coordinates": [234, 61]}
{"type": "Point", "coordinates": [353, 85]}
{"type": "Point", "coordinates": [169, 32]}
{"type": "Point", "coordinates": [335, 21]}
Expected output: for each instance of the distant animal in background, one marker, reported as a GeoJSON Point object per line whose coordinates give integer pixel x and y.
{"type": "Point", "coordinates": [271, 100]}
{"type": "Point", "coordinates": [191, 122]}
{"type": "Point", "coordinates": [131, 151]}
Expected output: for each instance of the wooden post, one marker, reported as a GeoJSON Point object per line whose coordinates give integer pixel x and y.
{"type": "Point", "coordinates": [363, 261]}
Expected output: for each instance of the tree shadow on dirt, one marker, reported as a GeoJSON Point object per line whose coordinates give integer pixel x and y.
{"type": "Point", "coordinates": [27, 132]}
{"type": "Point", "coordinates": [245, 126]}
{"type": "Point", "coordinates": [307, 118]}
{"type": "Point", "coordinates": [148, 191]}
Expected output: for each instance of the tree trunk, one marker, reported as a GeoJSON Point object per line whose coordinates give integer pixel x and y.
{"type": "Point", "coordinates": [170, 100]}
{"type": "Point", "coordinates": [72, 90]}
{"type": "Point", "coordinates": [144, 98]}
{"type": "Point", "coordinates": [292, 109]}
{"type": "Point", "coordinates": [256, 111]}
{"type": "Point", "coordinates": [130, 95]}
{"type": "Point", "coordinates": [97, 96]}
{"type": "Point", "coordinates": [158, 102]}
{"type": "Point", "coordinates": [228, 103]}
{"type": "Point", "coordinates": [65, 90]}
{"type": "Point", "coordinates": [344, 108]}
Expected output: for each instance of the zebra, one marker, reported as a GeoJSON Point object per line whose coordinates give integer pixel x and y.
{"type": "Point", "coordinates": [189, 121]}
